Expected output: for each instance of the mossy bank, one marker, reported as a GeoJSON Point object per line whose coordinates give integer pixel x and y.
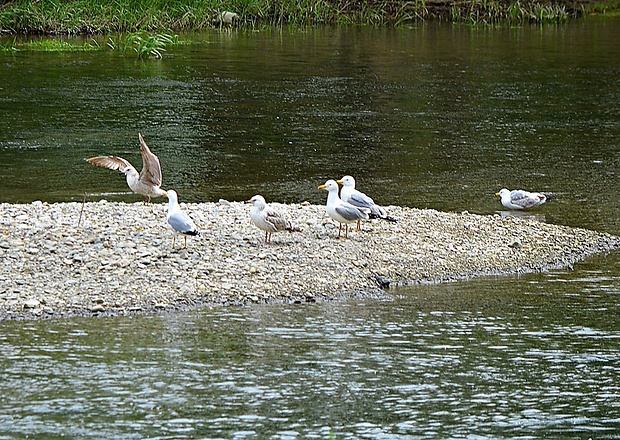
{"type": "Point", "coordinates": [104, 258]}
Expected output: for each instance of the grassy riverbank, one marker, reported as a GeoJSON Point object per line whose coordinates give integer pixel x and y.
{"type": "Point", "coordinates": [94, 17]}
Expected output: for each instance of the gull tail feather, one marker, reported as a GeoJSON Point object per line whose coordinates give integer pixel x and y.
{"type": "Point", "coordinates": [389, 218]}
{"type": "Point", "coordinates": [384, 217]}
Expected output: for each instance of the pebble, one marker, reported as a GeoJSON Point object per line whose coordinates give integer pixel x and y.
{"type": "Point", "coordinates": [31, 304]}
{"type": "Point", "coordinates": [120, 258]}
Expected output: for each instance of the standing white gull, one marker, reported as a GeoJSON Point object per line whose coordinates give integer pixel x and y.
{"type": "Point", "coordinates": [179, 221]}
{"type": "Point", "coordinates": [268, 219]}
{"type": "Point", "coordinates": [349, 194]}
{"type": "Point", "coordinates": [343, 212]}
{"type": "Point", "coordinates": [148, 182]}
{"type": "Point", "coordinates": [519, 199]}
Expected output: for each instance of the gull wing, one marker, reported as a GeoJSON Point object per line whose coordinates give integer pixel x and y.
{"type": "Point", "coordinates": [151, 168]}
{"type": "Point", "coordinates": [350, 212]}
{"type": "Point", "coordinates": [275, 218]}
{"type": "Point", "coordinates": [361, 200]}
{"type": "Point", "coordinates": [182, 223]}
{"type": "Point", "coordinates": [524, 199]}
{"type": "Point", "coordinates": [112, 162]}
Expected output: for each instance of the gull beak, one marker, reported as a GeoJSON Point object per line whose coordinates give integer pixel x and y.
{"type": "Point", "coordinates": [339, 182]}
{"type": "Point", "coordinates": [165, 195]}
{"type": "Point", "coordinates": [248, 202]}
{"type": "Point", "coordinates": [322, 187]}
{"type": "Point", "coordinates": [497, 194]}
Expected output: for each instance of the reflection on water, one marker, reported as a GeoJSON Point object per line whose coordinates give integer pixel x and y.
{"type": "Point", "coordinates": [529, 215]}
{"type": "Point", "coordinates": [497, 358]}
{"type": "Point", "coordinates": [436, 116]}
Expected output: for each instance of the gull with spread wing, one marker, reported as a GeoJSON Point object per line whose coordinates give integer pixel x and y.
{"type": "Point", "coordinates": [147, 182]}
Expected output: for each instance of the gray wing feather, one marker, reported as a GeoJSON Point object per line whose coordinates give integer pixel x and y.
{"type": "Point", "coordinates": [524, 199]}
{"type": "Point", "coordinates": [111, 162]}
{"type": "Point", "coordinates": [181, 222]}
{"type": "Point", "coordinates": [151, 168]}
{"type": "Point", "coordinates": [362, 200]}
{"type": "Point", "coordinates": [350, 212]}
{"type": "Point", "coordinates": [279, 223]}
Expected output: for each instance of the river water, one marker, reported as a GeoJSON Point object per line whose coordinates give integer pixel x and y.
{"type": "Point", "coordinates": [433, 116]}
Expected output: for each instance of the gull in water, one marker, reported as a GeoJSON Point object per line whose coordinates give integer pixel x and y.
{"type": "Point", "coordinates": [148, 182]}
{"type": "Point", "coordinates": [268, 219]}
{"type": "Point", "coordinates": [519, 199]}
{"type": "Point", "coordinates": [349, 194]}
{"type": "Point", "coordinates": [178, 220]}
{"type": "Point", "coordinates": [343, 212]}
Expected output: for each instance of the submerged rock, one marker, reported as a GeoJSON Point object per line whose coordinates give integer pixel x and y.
{"type": "Point", "coordinates": [121, 259]}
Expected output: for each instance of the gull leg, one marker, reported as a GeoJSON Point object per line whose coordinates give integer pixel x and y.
{"type": "Point", "coordinates": [359, 224]}
{"type": "Point", "coordinates": [269, 237]}
{"type": "Point", "coordinates": [185, 245]}
{"type": "Point", "coordinates": [174, 239]}
{"type": "Point", "coordinates": [346, 231]}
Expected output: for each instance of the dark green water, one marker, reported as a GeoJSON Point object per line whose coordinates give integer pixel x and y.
{"type": "Point", "coordinates": [433, 117]}
{"type": "Point", "coordinates": [436, 116]}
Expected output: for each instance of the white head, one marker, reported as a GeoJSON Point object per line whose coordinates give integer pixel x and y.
{"type": "Point", "coordinates": [347, 181]}
{"type": "Point", "coordinates": [503, 193]}
{"type": "Point", "coordinates": [258, 201]}
{"type": "Point", "coordinates": [172, 196]}
{"type": "Point", "coordinates": [330, 186]}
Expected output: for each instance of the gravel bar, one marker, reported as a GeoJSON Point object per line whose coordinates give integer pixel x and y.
{"type": "Point", "coordinates": [107, 258]}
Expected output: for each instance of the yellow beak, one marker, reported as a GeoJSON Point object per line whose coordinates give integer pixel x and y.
{"type": "Point", "coordinates": [339, 182]}
{"type": "Point", "coordinates": [322, 187]}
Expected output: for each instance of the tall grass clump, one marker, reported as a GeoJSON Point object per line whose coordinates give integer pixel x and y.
{"type": "Point", "coordinates": [494, 12]}
{"type": "Point", "coordinates": [144, 44]}
{"type": "Point", "coordinates": [149, 45]}
{"type": "Point", "coordinates": [119, 16]}
{"type": "Point", "coordinates": [96, 17]}
{"type": "Point", "coordinates": [604, 7]}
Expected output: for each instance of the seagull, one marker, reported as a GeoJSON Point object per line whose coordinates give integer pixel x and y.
{"type": "Point", "coordinates": [349, 194]}
{"type": "Point", "coordinates": [519, 199]}
{"type": "Point", "coordinates": [268, 219]}
{"type": "Point", "coordinates": [148, 182]}
{"type": "Point", "coordinates": [177, 219]}
{"type": "Point", "coordinates": [342, 212]}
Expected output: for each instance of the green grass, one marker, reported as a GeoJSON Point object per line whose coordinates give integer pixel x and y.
{"type": "Point", "coordinates": [72, 17]}
{"type": "Point", "coordinates": [492, 12]}
{"type": "Point", "coordinates": [50, 45]}
{"type": "Point", "coordinates": [607, 8]}
{"type": "Point", "coordinates": [141, 44]}
{"type": "Point", "coordinates": [145, 45]}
